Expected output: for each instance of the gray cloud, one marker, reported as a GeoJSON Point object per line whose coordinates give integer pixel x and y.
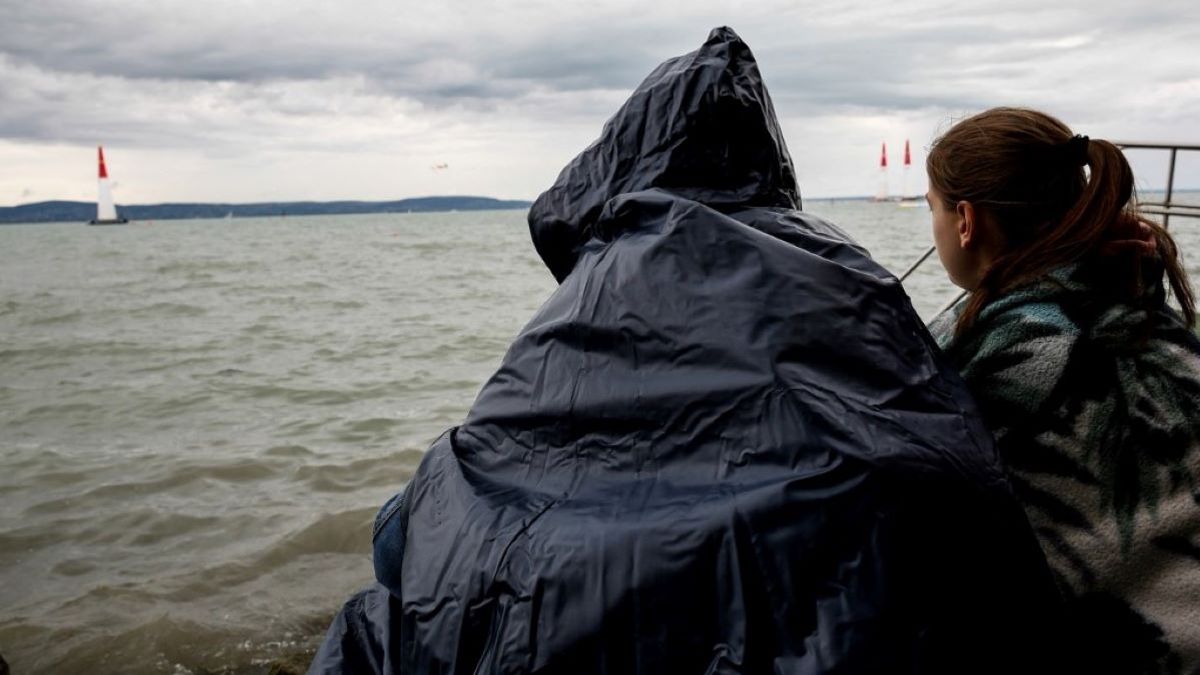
{"type": "Point", "coordinates": [909, 55]}
{"type": "Point", "coordinates": [228, 78]}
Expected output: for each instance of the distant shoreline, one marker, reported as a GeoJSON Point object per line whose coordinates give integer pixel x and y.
{"type": "Point", "coordinates": [71, 211]}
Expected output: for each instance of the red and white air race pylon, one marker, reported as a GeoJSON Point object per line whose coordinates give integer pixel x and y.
{"type": "Point", "coordinates": [106, 211]}
{"type": "Point", "coordinates": [882, 193]}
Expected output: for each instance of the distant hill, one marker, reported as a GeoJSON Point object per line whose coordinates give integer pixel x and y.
{"type": "Point", "coordinates": [62, 211]}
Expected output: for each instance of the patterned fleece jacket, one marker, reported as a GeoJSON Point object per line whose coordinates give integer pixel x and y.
{"type": "Point", "coordinates": [1095, 406]}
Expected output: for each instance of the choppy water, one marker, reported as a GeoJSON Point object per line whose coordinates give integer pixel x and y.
{"type": "Point", "coordinates": [198, 419]}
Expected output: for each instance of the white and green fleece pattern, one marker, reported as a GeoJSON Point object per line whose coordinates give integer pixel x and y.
{"type": "Point", "coordinates": [1095, 407]}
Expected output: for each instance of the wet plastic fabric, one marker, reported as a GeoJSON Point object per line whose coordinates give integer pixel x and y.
{"type": "Point", "coordinates": [725, 444]}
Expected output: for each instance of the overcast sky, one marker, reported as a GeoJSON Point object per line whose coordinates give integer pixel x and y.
{"type": "Point", "coordinates": [298, 99]}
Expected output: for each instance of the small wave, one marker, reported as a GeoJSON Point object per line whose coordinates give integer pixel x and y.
{"type": "Point", "coordinates": [243, 471]}
{"type": "Point", "coordinates": [64, 478]}
{"type": "Point", "coordinates": [78, 349]}
{"type": "Point", "coordinates": [69, 317]}
{"type": "Point", "coordinates": [467, 346]}
{"type": "Point", "coordinates": [36, 458]}
{"type": "Point", "coordinates": [342, 532]}
{"type": "Point", "coordinates": [201, 283]}
{"type": "Point", "coordinates": [164, 527]}
{"type": "Point", "coordinates": [260, 328]}
{"type": "Point", "coordinates": [265, 291]}
{"type": "Point", "coordinates": [37, 537]}
{"type": "Point", "coordinates": [73, 568]}
{"type": "Point", "coordinates": [13, 354]}
{"type": "Point", "coordinates": [368, 349]}
{"type": "Point", "coordinates": [168, 309]}
{"type": "Point", "coordinates": [303, 427]}
{"type": "Point", "coordinates": [386, 471]}
{"type": "Point", "coordinates": [159, 643]}
{"type": "Point", "coordinates": [433, 246]}
{"type": "Point", "coordinates": [63, 410]}
{"type": "Point", "coordinates": [206, 267]}
{"type": "Point", "coordinates": [374, 425]}
{"type": "Point", "coordinates": [321, 396]}
{"type": "Point", "coordinates": [373, 432]}
{"type": "Point", "coordinates": [140, 527]}
{"type": "Point", "coordinates": [172, 365]}
{"type": "Point", "coordinates": [291, 451]}
{"type": "Point", "coordinates": [277, 302]}
{"type": "Point", "coordinates": [179, 404]}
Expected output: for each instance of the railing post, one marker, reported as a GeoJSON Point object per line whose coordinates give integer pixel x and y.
{"type": "Point", "coordinates": [1170, 189]}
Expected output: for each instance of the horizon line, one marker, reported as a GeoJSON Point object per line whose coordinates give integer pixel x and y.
{"type": "Point", "coordinates": [447, 196]}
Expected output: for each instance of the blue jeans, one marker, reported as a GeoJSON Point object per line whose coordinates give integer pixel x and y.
{"type": "Point", "coordinates": [388, 537]}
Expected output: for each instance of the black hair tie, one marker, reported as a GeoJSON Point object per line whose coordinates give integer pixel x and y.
{"type": "Point", "coordinates": [1076, 150]}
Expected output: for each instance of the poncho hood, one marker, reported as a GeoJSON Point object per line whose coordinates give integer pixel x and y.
{"type": "Point", "coordinates": [700, 126]}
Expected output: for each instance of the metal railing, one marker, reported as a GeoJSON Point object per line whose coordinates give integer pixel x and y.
{"type": "Point", "coordinates": [1166, 208]}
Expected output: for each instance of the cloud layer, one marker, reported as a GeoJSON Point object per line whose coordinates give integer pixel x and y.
{"type": "Point", "coordinates": [230, 100]}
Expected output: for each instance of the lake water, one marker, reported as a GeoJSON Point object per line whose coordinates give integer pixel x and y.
{"type": "Point", "coordinates": [198, 419]}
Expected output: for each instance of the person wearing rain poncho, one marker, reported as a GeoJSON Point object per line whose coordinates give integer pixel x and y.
{"type": "Point", "coordinates": [725, 443]}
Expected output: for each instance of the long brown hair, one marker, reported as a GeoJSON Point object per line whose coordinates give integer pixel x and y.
{"type": "Point", "coordinates": [1024, 172]}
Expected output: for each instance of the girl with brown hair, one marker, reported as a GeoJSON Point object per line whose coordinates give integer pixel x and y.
{"type": "Point", "coordinates": [1089, 380]}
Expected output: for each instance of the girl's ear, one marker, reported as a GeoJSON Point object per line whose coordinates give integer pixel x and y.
{"type": "Point", "coordinates": [967, 224]}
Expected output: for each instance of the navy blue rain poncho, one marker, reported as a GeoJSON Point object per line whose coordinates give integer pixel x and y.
{"type": "Point", "coordinates": [725, 444]}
